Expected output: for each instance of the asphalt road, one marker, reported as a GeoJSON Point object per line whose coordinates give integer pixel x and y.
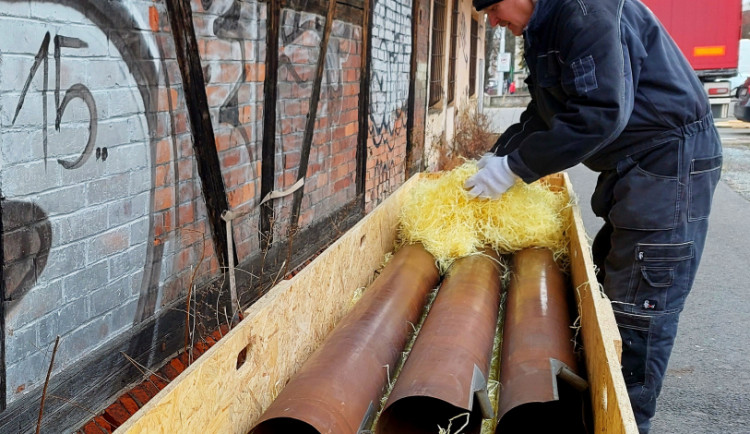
{"type": "Point", "coordinates": [707, 388]}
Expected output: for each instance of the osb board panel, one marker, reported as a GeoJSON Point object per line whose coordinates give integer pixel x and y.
{"type": "Point", "coordinates": [279, 331]}
{"type": "Point", "coordinates": [601, 339]}
{"type": "Point", "coordinates": [286, 325]}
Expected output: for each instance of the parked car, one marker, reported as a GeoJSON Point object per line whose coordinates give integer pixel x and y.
{"type": "Point", "coordinates": [742, 101]}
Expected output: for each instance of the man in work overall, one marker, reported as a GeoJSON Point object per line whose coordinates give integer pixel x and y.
{"type": "Point", "coordinates": [610, 88]}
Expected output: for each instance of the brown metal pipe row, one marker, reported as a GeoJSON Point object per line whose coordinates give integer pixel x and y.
{"type": "Point", "coordinates": [338, 388]}
{"type": "Point", "coordinates": [446, 371]}
{"type": "Point", "coordinates": [538, 351]}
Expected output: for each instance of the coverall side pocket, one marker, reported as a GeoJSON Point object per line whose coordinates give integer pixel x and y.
{"type": "Point", "coordinates": [704, 176]}
{"type": "Point", "coordinates": [634, 330]}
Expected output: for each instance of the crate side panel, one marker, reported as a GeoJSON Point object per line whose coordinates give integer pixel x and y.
{"type": "Point", "coordinates": [601, 339]}
{"type": "Point", "coordinates": [278, 333]}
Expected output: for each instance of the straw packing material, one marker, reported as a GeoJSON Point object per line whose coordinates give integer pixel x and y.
{"type": "Point", "coordinates": [440, 214]}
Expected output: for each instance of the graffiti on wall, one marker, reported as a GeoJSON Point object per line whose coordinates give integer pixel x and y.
{"type": "Point", "coordinates": [389, 91]}
{"type": "Point", "coordinates": [389, 95]}
{"type": "Point", "coordinates": [464, 37]}
{"type": "Point", "coordinates": [235, 93]}
{"type": "Point", "coordinates": [76, 90]}
{"type": "Point", "coordinates": [390, 72]}
{"type": "Point", "coordinates": [385, 179]}
{"type": "Point", "coordinates": [332, 150]}
{"type": "Point", "coordinates": [92, 131]}
{"type": "Point", "coordinates": [300, 37]}
{"type": "Point", "coordinates": [235, 21]}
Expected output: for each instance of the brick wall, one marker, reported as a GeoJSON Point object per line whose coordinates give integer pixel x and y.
{"type": "Point", "coordinates": [330, 178]}
{"type": "Point", "coordinates": [232, 44]}
{"type": "Point", "coordinates": [104, 220]}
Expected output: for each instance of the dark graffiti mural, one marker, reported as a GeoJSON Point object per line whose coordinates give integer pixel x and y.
{"type": "Point", "coordinates": [391, 51]}
{"type": "Point", "coordinates": [28, 235]}
{"type": "Point", "coordinates": [237, 24]}
{"type": "Point", "coordinates": [229, 27]}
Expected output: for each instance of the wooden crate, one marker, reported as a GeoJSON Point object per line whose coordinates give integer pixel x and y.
{"type": "Point", "coordinates": [279, 332]}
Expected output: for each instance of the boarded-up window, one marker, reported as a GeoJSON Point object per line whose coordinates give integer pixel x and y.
{"type": "Point", "coordinates": [452, 62]}
{"type": "Point", "coordinates": [473, 61]}
{"type": "Point", "coordinates": [436, 56]}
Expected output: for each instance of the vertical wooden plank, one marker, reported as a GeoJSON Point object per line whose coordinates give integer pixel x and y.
{"type": "Point", "coordinates": [417, 102]}
{"type": "Point", "coordinates": [312, 113]}
{"type": "Point", "coordinates": [412, 85]}
{"type": "Point", "coordinates": [2, 307]}
{"type": "Point", "coordinates": [268, 153]}
{"type": "Point", "coordinates": [364, 102]}
{"type": "Point", "coordinates": [204, 142]}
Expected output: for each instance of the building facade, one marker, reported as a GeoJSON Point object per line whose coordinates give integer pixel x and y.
{"type": "Point", "coordinates": [127, 129]}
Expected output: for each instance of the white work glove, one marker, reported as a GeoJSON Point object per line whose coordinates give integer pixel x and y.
{"type": "Point", "coordinates": [493, 178]}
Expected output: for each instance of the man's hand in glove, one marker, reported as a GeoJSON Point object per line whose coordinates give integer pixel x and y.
{"type": "Point", "coordinates": [493, 178]}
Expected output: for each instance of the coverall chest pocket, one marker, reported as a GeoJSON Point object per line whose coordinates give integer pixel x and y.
{"type": "Point", "coordinates": [659, 276]}
{"type": "Point", "coordinates": [549, 76]}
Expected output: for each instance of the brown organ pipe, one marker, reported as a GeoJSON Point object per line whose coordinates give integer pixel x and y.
{"type": "Point", "coordinates": [339, 387]}
{"type": "Point", "coordinates": [446, 371]}
{"type": "Point", "coordinates": [538, 350]}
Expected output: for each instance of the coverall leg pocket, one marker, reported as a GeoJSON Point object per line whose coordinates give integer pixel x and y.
{"type": "Point", "coordinates": [634, 330]}
{"type": "Point", "coordinates": [662, 276]}
{"type": "Point", "coordinates": [647, 342]}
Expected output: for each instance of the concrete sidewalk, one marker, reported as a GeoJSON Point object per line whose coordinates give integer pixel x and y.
{"type": "Point", "coordinates": [502, 117]}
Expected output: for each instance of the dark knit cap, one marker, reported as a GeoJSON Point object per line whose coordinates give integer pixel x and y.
{"type": "Point", "coordinates": [481, 4]}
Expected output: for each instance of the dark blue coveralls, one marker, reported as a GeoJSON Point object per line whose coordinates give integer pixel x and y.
{"type": "Point", "coordinates": [611, 89]}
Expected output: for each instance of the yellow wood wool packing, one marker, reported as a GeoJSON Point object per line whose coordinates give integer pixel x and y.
{"type": "Point", "coordinates": [439, 213]}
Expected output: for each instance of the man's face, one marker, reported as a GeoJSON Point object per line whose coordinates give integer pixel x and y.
{"type": "Point", "coordinates": [513, 14]}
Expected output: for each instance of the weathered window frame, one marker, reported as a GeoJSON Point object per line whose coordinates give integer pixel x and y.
{"type": "Point", "coordinates": [436, 52]}
{"type": "Point", "coordinates": [473, 56]}
{"type": "Point", "coordinates": [453, 53]}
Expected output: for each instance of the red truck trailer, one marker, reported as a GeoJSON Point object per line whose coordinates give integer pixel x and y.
{"type": "Point", "coordinates": [708, 33]}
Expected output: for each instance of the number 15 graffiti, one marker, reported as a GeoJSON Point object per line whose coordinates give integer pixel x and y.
{"type": "Point", "coordinates": [77, 90]}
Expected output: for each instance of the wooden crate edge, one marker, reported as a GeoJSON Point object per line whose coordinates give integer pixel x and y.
{"type": "Point", "coordinates": [609, 396]}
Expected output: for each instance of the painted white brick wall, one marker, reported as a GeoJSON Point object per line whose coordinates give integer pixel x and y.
{"type": "Point", "coordinates": [98, 212]}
